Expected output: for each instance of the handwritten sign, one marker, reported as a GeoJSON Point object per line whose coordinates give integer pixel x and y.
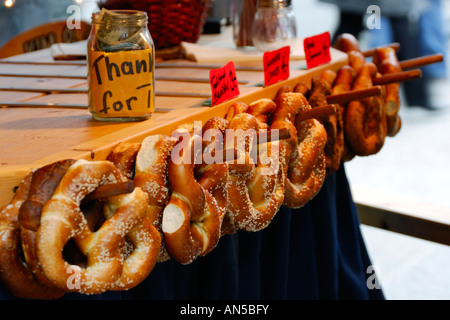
{"type": "Point", "coordinates": [276, 65]}
{"type": "Point", "coordinates": [121, 83]}
{"type": "Point", "coordinates": [317, 49]}
{"type": "Point", "coordinates": [224, 85]}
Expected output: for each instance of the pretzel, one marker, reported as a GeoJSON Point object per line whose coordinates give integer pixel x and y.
{"type": "Point", "coordinates": [234, 109]}
{"type": "Point", "coordinates": [329, 76]}
{"type": "Point", "coordinates": [43, 184]}
{"type": "Point", "coordinates": [342, 84]}
{"type": "Point", "coordinates": [15, 274]}
{"type": "Point", "coordinates": [301, 156]}
{"type": "Point", "coordinates": [123, 156]}
{"type": "Point", "coordinates": [303, 88]}
{"type": "Point", "coordinates": [365, 121]}
{"type": "Point", "coordinates": [151, 175]}
{"type": "Point", "coordinates": [387, 63]}
{"type": "Point", "coordinates": [262, 109]}
{"type": "Point", "coordinates": [346, 42]}
{"type": "Point", "coordinates": [321, 87]}
{"type": "Point", "coordinates": [141, 248]}
{"type": "Point", "coordinates": [149, 171]}
{"type": "Point", "coordinates": [356, 60]}
{"type": "Point", "coordinates": [191, 220]}
{"type": "Point", "coordinates": [62, 220]}
{"type": "Point", "coordinates": [213, 175]}
{"type": "Point", "coordinates": [255, 187]}
{"type": "Point", "coordinates": [283, 89]}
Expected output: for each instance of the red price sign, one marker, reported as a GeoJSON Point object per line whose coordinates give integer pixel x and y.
{"type": "Point", "coordinates": [276, 65]}
{"type": "Point", "coordinates": [317, 49]}
{"type": "Point", "coordinates": [224, 85]}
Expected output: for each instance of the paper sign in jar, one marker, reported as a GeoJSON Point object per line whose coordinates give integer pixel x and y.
{"type": "Point", "coordinates": [121, 83]}
{"type": "Point", "coordinates": [224, 84]}
{"type": "Point", "coordinates": [317, 49]}
{"type": "Point", "coordinates": [276, 65]}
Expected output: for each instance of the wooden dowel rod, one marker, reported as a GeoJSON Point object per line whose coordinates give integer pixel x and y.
{"type": "Point", "coordinates": [371, 52]}
{"type": "Point", "coordinates": [317, 112]}
{"type": "Point", "coordinates": [421, 61]}
{"type": "Point", "coordinates": [112, 189]}
{"type": "Point", "coordinates": [345, 97]}
{"type": "Point", "coordinates": [397, 77]}
{"type": "Point", "coordinates": [283, 133]}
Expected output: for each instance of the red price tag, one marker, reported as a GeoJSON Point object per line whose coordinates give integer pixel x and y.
{"type": "Point", "coordinates": [317, 49]}
{"type": "Point", "coordinates": [276, 65]}
{"type": "Point", "coordinates": [224, 85]}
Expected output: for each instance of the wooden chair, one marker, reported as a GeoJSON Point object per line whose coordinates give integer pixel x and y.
{"type": "Point", "coordinates": [44, 36]}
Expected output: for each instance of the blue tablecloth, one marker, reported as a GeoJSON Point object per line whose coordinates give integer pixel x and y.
{"type": "Point", "coordinates": [315, 252]}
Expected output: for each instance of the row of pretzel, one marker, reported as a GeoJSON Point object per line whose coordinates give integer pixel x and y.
{"type": "Point", "coordinates": [95, 226]}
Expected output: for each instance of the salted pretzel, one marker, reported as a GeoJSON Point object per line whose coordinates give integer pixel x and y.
{"type": "Point", "coordinates": [283, 89]}
{"type": "Point", "coordinates": [123, 155]}
{"type": "Point", "coordinates": [42, 187]}
{"type": "Point", "coordinates": [213, 171]}
{"type": "Point", "coordinates": [321, 87]}
{"type": "Point", "coordinates": [262, 109]}
{"type": "Point", "coordinates": [303, 88]}
{"type": "Point", "coordinates": [191, 220]}
{"type": "Point", "coordinates": [356, 60]}
{"type": "Point", "coordinates": [329, 76]}
{"type": "Point", "coordinates": [63, 220]}
{"type": "Point", "coordinates": [342, 84]}
{"type": "Point", "coordinates": [151, 175]}
{"type": "Point", "coordinates": [256, 181]}
{"type": "Point", "coordinates": [234, 109]}
{"type": "Point", "coordinates": [365, 120]}
{"type": "Point", "coordinates": [146, 163]}
{"type": "Point", "coordinates": [301, 156]}
{"type": "Point", "coordinates": [15, 273]}
{"type": "Point", "coordinates": [346, 42]}
{"type": "Point", "coordinates": [386, 60]}
{"type": "Point", "coordinates": [141, 248]}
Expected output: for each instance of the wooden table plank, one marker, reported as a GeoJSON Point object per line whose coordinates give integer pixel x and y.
{"type": "Point", "coordinates": [40, 82]}
{"type": "Point", "coordinates": [32, 137]}
{"type": "Point", "coordinates": [13, 96]}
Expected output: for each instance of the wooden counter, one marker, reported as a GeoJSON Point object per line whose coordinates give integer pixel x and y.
{"type": "Point", "coordinates": [35, 135]}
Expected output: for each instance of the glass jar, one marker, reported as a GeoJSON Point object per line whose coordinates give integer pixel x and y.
{"type": "Point", "coordinates": [242, 13]}
{"type": "Point", "coordinates": [120, 58]}
{"type": "Point", "coordinates": [274, 25]}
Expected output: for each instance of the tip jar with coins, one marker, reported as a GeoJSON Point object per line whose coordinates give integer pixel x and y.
{"type": "Point", "coordinates": [120, 58]}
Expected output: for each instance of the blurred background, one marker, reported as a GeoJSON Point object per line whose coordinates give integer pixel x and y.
{"type": "Point", "coordinates": [413, 166]}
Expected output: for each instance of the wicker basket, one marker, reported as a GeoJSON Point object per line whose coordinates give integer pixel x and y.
{"type": "Point", "coordinates": [170, 21]}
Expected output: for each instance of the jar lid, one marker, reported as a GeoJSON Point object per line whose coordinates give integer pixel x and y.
{"type": "Point", "coordinates": [273, 3]}
{"type": "Point", "coordinates": [120, 16]}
